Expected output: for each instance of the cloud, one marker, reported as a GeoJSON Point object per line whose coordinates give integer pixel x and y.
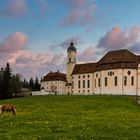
{"type": "Point", "coordinates": [88, 54]}
{"type": "Point", "coordinates": [19, 8]}
{"type": "Point", "coordinates": [14, 8]}
{"type": "Point", "coordinates": [117, 38]}
{"type": "Point", "coordinates": [81, 12]}
{"type": "Point", "coordinates": [42, 5]}
{"type": "Point", "coordinates": [13, 43]}
{"type": "Point", "coordinates": [66, 43]}
{"type": "Point", "coordinates": [29, 63]}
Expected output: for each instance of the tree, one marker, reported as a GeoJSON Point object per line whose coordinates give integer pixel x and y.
{"type": "Point", "coordinates": [1, 84]}
{"type": "Point", "coordinates": [36, 85]}
{"type": "Point", "coordinates": [54, 89]}
{"type": "Point", "coordinates": [31, 83]}
{"type": "Point", "coordinates": [6, 81]}
{"type": "Point", "coordinates": [25, 83]}
{"type": "Point", "coordinates": [9, 83]}
{"type": "Point", "coordinates": [15, 85]}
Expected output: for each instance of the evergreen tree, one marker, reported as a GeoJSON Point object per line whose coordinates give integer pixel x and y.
{"type": "Point", "coordinates": [36, 85]}
{"type": "Point", "coordinates": [15, 85]}
{"type": "Point", "coordinates": [6, 81]}
{"type": "Point", "coordinates": [25, 84]}
{"type": "Point", "coordinates": [1, 84]}
{"type": "Point", "coordinates": [31, 83]}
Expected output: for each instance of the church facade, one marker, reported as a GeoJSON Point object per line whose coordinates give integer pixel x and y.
{"type": "Point", "coordinates": [116, 73]}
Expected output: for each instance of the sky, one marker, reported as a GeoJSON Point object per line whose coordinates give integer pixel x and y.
{"type": "Point", "coordinates": [35, 34]}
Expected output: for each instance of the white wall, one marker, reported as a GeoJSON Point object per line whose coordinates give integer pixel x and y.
{"type": "Point", "coordinates": [60, 86]}
{"type": "Point", "coordinates": [82, 91]}
{"type": "Point", "coordinates": [120, 89]}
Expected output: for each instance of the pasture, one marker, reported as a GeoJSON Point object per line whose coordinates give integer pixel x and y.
{"type": "Point", "coordinates": [72, 118]}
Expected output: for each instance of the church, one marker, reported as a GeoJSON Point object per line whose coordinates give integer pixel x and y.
{"type": "Point", "coordinates": [116, 73]}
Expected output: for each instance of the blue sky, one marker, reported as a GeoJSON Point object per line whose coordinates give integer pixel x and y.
{"type": "Point", "coordinates": [34, 34]}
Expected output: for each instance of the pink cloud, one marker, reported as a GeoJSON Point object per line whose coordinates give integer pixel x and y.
{"type": "Point", "coordinates": [87, 55]}
{"type": "Point", "coordinates": [66, 43]}
{"type": "Point", "coordinates": [42, 5]}
{"type": "Point", "coordinates": [13, 43]}
{"type": "Point", "coordinates": [15, 8]}
{"type": "Point", "coordinates": [118, 39]}
{"type": "Point", "coordinates": [18, 8]}
{"type": "Point", "coordinates": [29, 63]}
{"type": "Point", "coordinates": [81, 12]}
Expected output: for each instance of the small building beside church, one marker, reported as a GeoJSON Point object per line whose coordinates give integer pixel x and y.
{"type": "Point", "coordinates": [116, 73]}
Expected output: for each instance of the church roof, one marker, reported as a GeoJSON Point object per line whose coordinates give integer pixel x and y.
{"type": "Point", "coordinates": [71, 47]}
{"type": "Point", "coordinates": [118, 59]}
{"type": "Point", "coordinates": [55, 76]}
{"type": "Point", "coordinates": [84, 68]}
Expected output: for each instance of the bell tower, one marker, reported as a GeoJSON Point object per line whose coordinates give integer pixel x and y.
{"type": "Point", "coordinates": [71, 61]}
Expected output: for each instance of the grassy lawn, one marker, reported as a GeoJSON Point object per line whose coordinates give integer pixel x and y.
{"type": "Point", "coordinates": [72, 117]}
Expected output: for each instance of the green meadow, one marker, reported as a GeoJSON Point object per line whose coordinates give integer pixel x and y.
{"type": "Point", "coordinates": [72, 118]}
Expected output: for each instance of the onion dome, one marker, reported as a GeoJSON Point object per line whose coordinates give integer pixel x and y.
{"type": "Point", "coordinates": [71, 47]}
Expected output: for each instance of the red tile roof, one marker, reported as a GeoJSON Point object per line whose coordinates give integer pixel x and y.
{"type": "Point", "coordinates": [84, 68]}
{"type": "Point", "coordinates": [55, 76]}
{"type": "Point", "coordinates": [119, 59]}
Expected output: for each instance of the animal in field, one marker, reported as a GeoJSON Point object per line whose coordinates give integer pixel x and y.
{"type": "Point", "coordinates": [7, 108]}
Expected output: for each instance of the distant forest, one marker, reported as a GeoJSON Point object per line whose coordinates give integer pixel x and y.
{"type": "Point", "coordinates": [12, 83]}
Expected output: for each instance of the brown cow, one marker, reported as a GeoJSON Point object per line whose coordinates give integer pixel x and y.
{"type": "Point", "coordinates": [7, 108]}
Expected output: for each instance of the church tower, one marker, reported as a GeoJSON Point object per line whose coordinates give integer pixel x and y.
{"type": "Point", "coordinates": [71, 61]}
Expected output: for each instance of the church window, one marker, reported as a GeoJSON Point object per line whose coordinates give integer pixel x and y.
{"type": "Point", "coordinates": [72, 84]}
{"type": "Point", "coordinates": [83, 83]}
{"type": "Point", "coordinates": [105, 81]}
{"type": "Point", "coordinates": [111, 73]}
{"type": "Point", "coordinates": [96, 75]}
{"type": "Point", "coordinates": [79, 84]}
{"type": "Point", "coordinates": [99, 82]}
{"type": "Point", "coordinates": [132, 80]}
{"type": "Point", "coordinates": [88, 83]}
{"type": "Point", "coordinates": [115, 81]}
{"type": "Point", "coordinates": [125, 80]}
{"type": "Point", "coordinates": [129, 72]}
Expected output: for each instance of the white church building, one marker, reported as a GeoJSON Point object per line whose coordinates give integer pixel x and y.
{"type": "Point", "coordinates": [116, 73]}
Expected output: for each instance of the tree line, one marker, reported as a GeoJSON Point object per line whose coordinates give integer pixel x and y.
{"type": "Point", "coordinates": [12, 83]}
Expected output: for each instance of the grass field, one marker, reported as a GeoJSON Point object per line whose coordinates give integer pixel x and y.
{"type": "Point", "coordinates": [72, 117]}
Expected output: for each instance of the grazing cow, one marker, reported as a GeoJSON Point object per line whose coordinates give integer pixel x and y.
{"type": "Point", "coordinates": [7, 108]}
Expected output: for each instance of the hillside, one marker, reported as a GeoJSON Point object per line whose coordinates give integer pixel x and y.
{"type": "Point", "coordinates": [72, 117]}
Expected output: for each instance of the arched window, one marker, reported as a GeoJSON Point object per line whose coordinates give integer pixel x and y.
{"type": "Point", "coordinates": [105, 81]}
{"type": "Point", "coordinates": [83, 83]}
{"type": "Point", "coordinates": [125, 80]}
{"type": "Point", "coordinates": [115, 81]}
{"type": "Point", "coordinates": [79, 84]}
{"type": "Point", "coordinates": [88, 83]}
{"type": "Point", "coordinates": [98, 82]}
{"type": "Point", "coordinates": [132, 80]}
